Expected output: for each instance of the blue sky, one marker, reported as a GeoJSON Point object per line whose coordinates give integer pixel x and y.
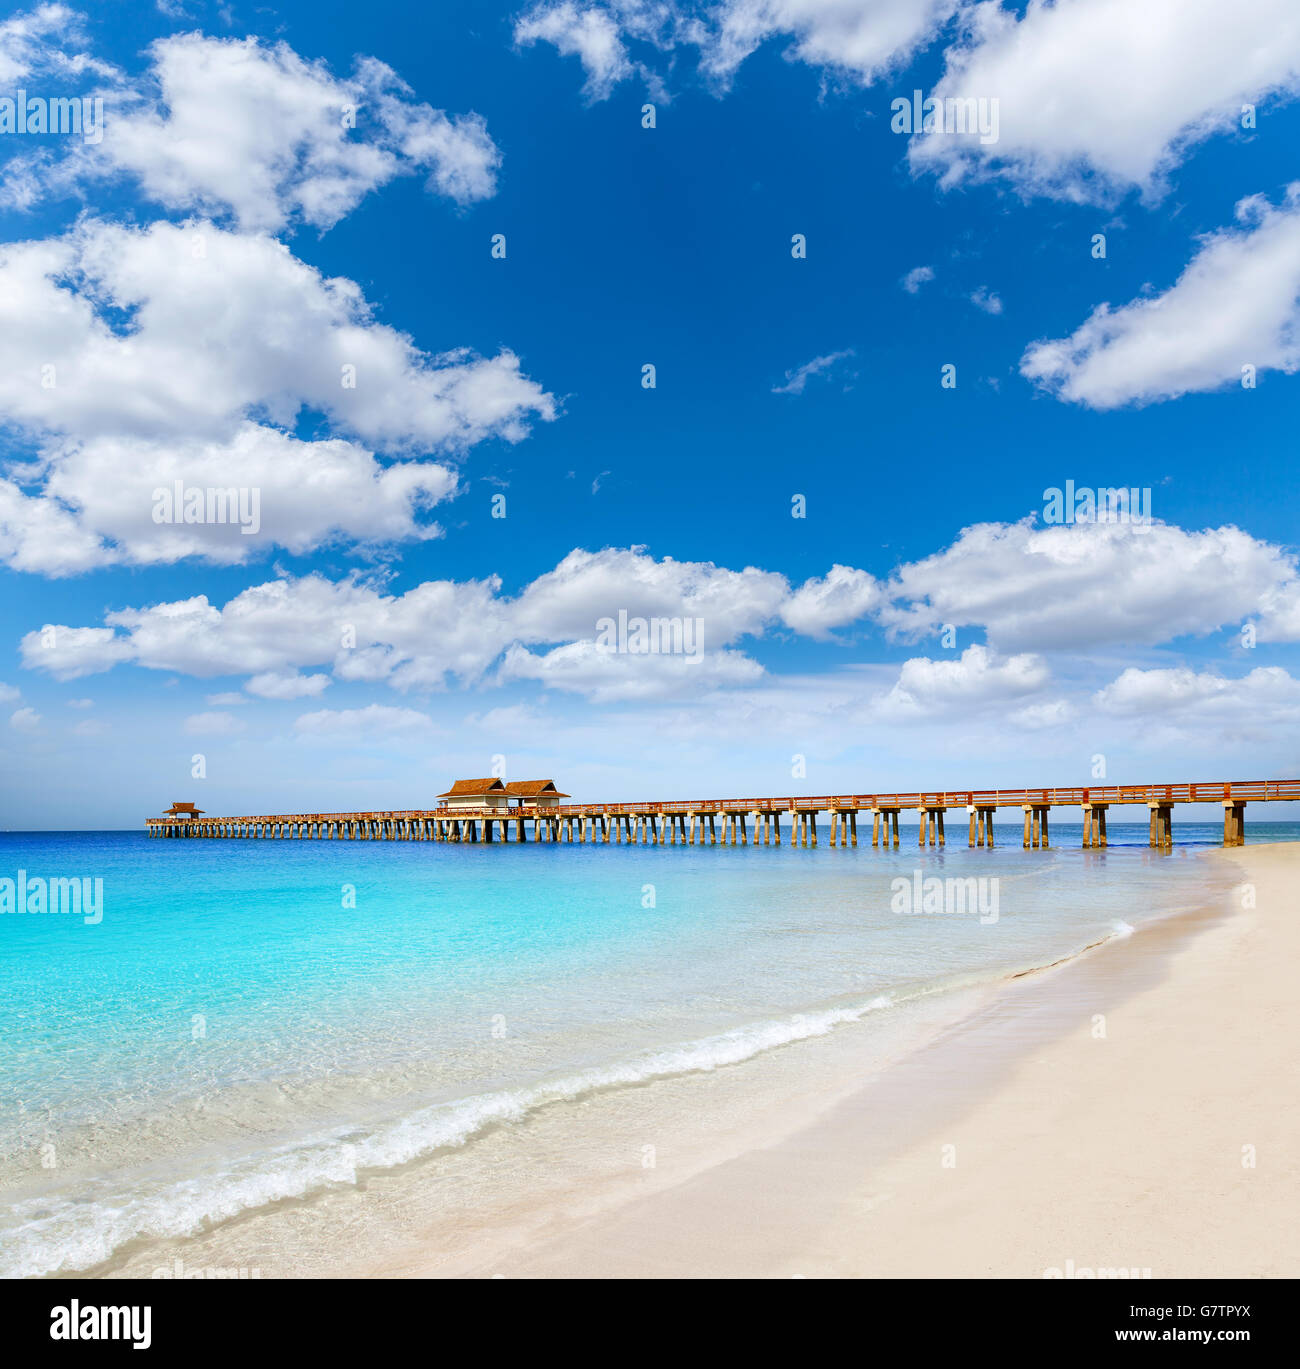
{"type": "Point", "coordinates": [199, 279]}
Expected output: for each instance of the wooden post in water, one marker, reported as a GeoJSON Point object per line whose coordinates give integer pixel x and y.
{"type": "Point", "coordinates": [1234, 822]}
{"type": "Point", "coordinates": [1162, 824]}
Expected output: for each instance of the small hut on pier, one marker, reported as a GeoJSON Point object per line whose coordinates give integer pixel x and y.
{"type": "Point", "coordinates": [476, 794]}
{"type": "Point", "coordinates": [526, 795]}
{"type": "Point", "coordinates": [182, 810]}
{"type": "Point", "coordinates": [534, 794]}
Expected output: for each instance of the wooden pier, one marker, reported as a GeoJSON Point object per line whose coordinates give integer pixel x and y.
{"type": "Point", "coordinates": [712, 822]}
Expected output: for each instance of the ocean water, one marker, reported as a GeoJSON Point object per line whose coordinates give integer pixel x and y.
{"type": "Point", "coordinates": [244, 1022]}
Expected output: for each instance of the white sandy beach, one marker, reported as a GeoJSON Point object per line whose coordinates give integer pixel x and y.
{"type": "Point", "coordinates": [1022, 1140]}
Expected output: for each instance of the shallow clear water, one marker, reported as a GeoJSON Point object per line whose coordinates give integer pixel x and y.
{"type": "Point", "coordinates": [252, 1020]}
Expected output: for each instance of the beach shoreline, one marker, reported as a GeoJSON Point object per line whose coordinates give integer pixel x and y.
{"type": "Point", "coordinates": [1044, 1120]}
{"type": "Point", "coordinates": [1131, 1111]}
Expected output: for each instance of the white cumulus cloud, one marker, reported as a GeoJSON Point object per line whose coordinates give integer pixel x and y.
{"type": "Point", "coordinates": [235, 126]}
{"type": "Point", "coordinates": [1236, 305]}
{"type": "Point", "coordinates": [1097, 96]}
{"type": "Point", "coordinates": [134, 358]}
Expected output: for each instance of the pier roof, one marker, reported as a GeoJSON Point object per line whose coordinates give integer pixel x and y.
{"type": "Point", "coordinates": [530, 789]}
{"type": "Point", "coordinates": [463, 787]}
{"type": "Point", "coordinates": [178, 808]}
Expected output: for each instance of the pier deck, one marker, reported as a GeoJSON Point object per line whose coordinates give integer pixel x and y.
{"type": "Point", "coordinates": [726, 821]}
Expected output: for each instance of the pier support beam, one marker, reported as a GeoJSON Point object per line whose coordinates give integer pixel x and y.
{"type": "Point", "coordinates": [1036, 834]}
{"type": "Point", "coordinates": [1094, 825]}
{"type": "Point", "coordinates": [1234, 822]}
{"type": "Point", "coordinates": [1162, 825]}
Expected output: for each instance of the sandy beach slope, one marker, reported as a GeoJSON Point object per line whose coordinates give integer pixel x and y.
{"type": "Point", "coordinates": [1133, 1110]}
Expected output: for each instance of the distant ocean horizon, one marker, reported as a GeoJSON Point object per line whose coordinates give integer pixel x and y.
{"type": "Point", "coordinates": [249, 1021]}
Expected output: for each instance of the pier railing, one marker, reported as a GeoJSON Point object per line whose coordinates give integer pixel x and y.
{"type": "Point", "coordinates": [1237, 791]}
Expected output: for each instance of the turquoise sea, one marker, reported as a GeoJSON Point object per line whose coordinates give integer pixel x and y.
{"type": "Point", "coordinates": [250, 1021]}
